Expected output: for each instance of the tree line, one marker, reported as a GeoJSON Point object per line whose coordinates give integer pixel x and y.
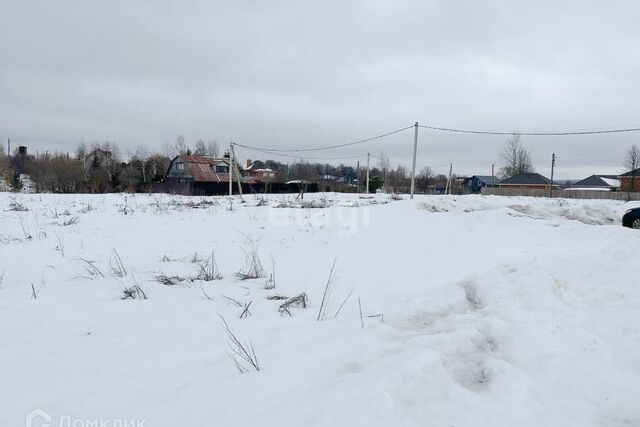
{"type": "Point", "coordinates": [86, 171]}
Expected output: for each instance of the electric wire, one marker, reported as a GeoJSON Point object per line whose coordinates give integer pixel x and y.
{"type": "Point", "coordinates": [564, 133]}
{"type": "Point", "coordinates": [298, 157]}
{"type": "Point", "coordinates": [328, 147]}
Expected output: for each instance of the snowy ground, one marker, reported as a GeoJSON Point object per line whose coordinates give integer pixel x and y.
{"type": "Point", "coordinates": [496, 311]}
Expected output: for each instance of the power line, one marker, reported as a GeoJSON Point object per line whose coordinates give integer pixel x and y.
{"type": "Point", "coordinates": [328, 147]}
{"type": "Point", "coordinates": [434, 166]}
{"type": "Point", "coordinates": [482, 132]}
{"type": "Point", "coordinates": [260, 150]}
{"type": "Point", "coordinates": [378, 157]}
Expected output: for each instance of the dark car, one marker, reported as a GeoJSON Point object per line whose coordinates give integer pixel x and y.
{"type": "Point", "coordinates": [631, 218]}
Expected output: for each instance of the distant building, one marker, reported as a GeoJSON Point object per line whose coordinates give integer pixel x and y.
{"type": "Point", "coordinates": [476, 183]}
{"type": "Point", "coordinates": [597, 183]}
{"type": "Point", "coordinates": [257, 170]}
{"type": "Point", "coordinates": [198, 169]}
{"type": "Point", "coordinates": [630, 181]}
{"type": "Point", "coordinates": [458, 185]}
{"type": "Point", "coordinates": [532, 180]}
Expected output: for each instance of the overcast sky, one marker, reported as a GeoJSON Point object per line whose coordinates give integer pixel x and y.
{"type": "Point", "coordinates": [295, 74]}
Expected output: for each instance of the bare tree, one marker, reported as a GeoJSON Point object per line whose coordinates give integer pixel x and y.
{"type": "Point", "coordinates": [384, 164]}
{"type": "Point", "coordinates": [140, 156]}
{"type": "Point", "coordinates": [398, 178]}
{"type": "Point", "coordinates": [56, 173]}
{"type": "Point", "coordinates": [81, 150]}
{"type": "Point", "coordinates": [424, 179]}
{"type": "Point", "coordinates": [304, 174]}
{"type": "Point", "coordinates": [112, 148]}
{"type": "Point", "coordinates": [112, 159]}
{"type": "Point", "coordinates": [159, 165]}
{"type": "Point", "coordinates": [212, 148]}
{"type": "Point", "coordinates": [201, 148]}
{"type": "Point", "coordinates": [632, 163]}
{"type": "Point", "coordinates": [6, 171]}
{"type": "Point", "coordinates": [516, 156]}
{"type": "Point", "coordinates": [632, 158]}
{"type": "Point", "coordinates": [181, 146]}
{"type": "Point", "coordinates": [168, 149]}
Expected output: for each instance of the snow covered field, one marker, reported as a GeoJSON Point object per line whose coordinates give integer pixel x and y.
{"type": "Point", "coordinates": [485, 311]}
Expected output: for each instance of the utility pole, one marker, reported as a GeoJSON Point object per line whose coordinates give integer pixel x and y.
{"type": "Point", "coordinates": [230, 169]}
{"type": "Point", "coordinates": [367, 190]}
{"type": "Point", "coordinates": [553, 165]}
{"type": "Point", "coordinates": [238, 176]}
{"type": "Point", "coordinates": [450, 177]}
{"type": "Point", "coordinates": [9, 147]}
{"type": "Point", "coordinates": [358, 178]}
{"type": "Point", "coordinates": [413, 163]}
{"type": "Point", "coordinates": [493, 178]}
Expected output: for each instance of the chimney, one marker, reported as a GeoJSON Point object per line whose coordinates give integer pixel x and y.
{"type": "Point", "coordinates": [249, 163]}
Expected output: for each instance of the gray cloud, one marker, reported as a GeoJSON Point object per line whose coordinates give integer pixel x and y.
{"type": "Point", "coordinates": [302, 74]}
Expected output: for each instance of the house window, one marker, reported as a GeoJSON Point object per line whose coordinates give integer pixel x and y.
{"type": "Point", "coordinates": [180, 166]}
{"type": "Point", "coordinates": [222, 169]}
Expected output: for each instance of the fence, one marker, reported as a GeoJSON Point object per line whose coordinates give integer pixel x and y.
{"type": "Point", "coordinates": [220, 188]}
{"type": "Point", "coordinates": [567, 194]}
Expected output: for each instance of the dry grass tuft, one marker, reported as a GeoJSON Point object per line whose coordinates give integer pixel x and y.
{"type": "Point", "coordinates": [253, 267]}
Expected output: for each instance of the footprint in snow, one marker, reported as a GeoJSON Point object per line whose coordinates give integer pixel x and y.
{"type": "Point", "coordinates": [469, 370]}
{"type": "Point", "coordinates": [471, 295]}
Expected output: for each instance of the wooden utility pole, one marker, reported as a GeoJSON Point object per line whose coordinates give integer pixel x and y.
{"type": "Point", "coordinates": [367, 191]}
{"type": "Point", "coordinates": [413, 163]}
{"type": "Point", "coordinates": [493, 175]}
{"type": "Point", "coordinates": [358, 177]}
{"type": "Point", "coordinates": [238, 176]}
{"type": "Point", "coordinates": [230, 169]}
{"type": "Point", "coordinates": [553, 166]}
{"type": "Point", "coordinates": [450, 177]}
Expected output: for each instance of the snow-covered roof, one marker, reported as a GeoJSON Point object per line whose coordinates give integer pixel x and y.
{"type": "Point", "coordinates": [594, 181]}
{"type": "Point", "coordinates": [613, 182]}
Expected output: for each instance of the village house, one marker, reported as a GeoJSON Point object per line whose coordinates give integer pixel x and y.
{"type": "Point", "coordinates": [630, 181]}
{"type": "Point", "coordinates": [597, 183]}
{"type": "Point", "coordinates": [257, 169]}
{"type": "Point", "coordinates": [531, 180]}
{"type": "Point", "coordinates": [476, 183]}
{"type": "Point", "coordinates": [198, 169]}
{"type": "Point", "coordinates": [458, 185]}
